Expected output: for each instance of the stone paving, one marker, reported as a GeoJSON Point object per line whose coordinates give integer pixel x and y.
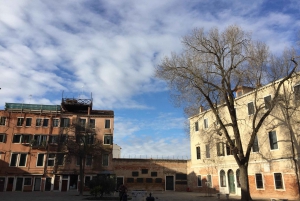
{"type": "Point", "coordinates": [73, 196]}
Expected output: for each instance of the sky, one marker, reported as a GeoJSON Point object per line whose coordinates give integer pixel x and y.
{"type": "Point", "coordinates": [108, 50]}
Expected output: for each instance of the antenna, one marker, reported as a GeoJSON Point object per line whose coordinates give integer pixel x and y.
{"type": "Point", "coordinates": [30, 96]}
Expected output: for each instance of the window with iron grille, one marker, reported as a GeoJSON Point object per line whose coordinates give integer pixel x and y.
{"type": "Point", "coordinates": [139, 180]}
{"type": "Point", "coordinates": [144, 171]}
{"type": "Point", "coordinates": [45, 122]}
{"type": "Point", "coordinates": [158, 180]}
{"type": "Point", "coordinates": [130, 180]}
{"type": "Point", "coordinates": [135, 174]}
{"type": "Point", "coordinates": [149, 180]}
{"type": "Point", "coordinates": [199, 181]}
{"type": "Point", "coordinates": [27, 182]}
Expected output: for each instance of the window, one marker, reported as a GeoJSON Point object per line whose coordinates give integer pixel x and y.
{"type": "Point", "coordinates": [105, 160]}
{"type": "Point", "coordinates": [267, 100]}
{"type": "Point", "coordinates": [87, 180]}
{"type": "Point", "coordinates": [139, 180]}
{"type": "Point", "coordinates": [20, 121]}
{"type": "Point", "coordinates": [149, 180]}
{"type": "Point", "coordinates": [222, 178]}
{"type": "Point", "coordinates": [153, 174]}
{"type": "Point", "coordinates": [88, 160]}
{"type": "Point", "coordinates": [229, 150]}
{"type": "Point", "coordinates": [259, 181]}
{"type": "Point", "coordinates": [199, 181]}
{"type": "Point", "coordinates": [28, 121]}
{"type": "Point", "coordinates": [205, 123]}
{"type": "Point", "coordinates": [21, 138]}
{"type": "Point", "coordinates": [2, 121]}
{"type": "Point", "coordinates": [273, 140]}
{"type": "Point", "coordinates": [40, 160]}
{"type": "Point", "coordinates": [17, 138]}
{"type": "Point", "coordinates": [220, 149]}
{"type": "Point", "coordinates": [38, 122]}
{"type": "Point", "coordinates": [108, 139]}
{"type": "Point", "coordinates": [27, 182]}
{"type": "Point", "coordinates": [53, 139]}
{"type": "Point", "coordinates": [92, 123]}
{"type": "Point", "coordinates": [65, 122]}
{"type": "Point", "coordinates": [297, 92]}
{"type": "Point", "coordinates": [144, 171]}
{"type": "Point", "coordinates": [55, 122]}
{"type": "Point", "coordinates": [238, 178]}
{"type": "Point", "coordinates": [63, 138]}
{"type": "Point", "coordinates": [89, 139]}
{"type": "Point", "coordinates": [60, 158]}
{"type": "Point", "coordinates": [209, 181]}
{"type": "Point", "coordinates": [2, 137]}
{"type": "Point", "coordinates": [250, 108]}
{"type": "Point", "coordinates": [18, 160]}
{"type": "Point", "coordinates": [130, 180]}
{"type": "Point", "coordinates": [107, 123]}
{"type": "Point", "coordinates": [196, 126]}
{"type": "Point", "coordinates": [135, 174]}
{"type": "Point", "coordinates": [158, 180]}
{"type": "Point", "coordinates": [198, 152]}
{"type": "Point", "coordinates": [278, 181]}
{"type": "Point", "coordinates": [40, 140]}
{"type": "Point", "coordinates": [51, 159]}
{"type": "Point", "coordinates": [255, 147]}
{"type": "Point", "coordinates": [207, 151]}
{"type": "Point", "coordinates": [82, 123]}
{"type": "Point", "coordinates": [45, 122]}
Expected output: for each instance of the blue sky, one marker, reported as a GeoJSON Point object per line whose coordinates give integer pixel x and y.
{"type": "Point", "coordinates": [111, 48]}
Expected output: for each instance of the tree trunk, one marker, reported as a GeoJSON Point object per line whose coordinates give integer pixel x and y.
{"type": "Point", "coordinates": [244, 181]}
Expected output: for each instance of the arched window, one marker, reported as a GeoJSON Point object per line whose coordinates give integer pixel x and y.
{"type": "Point", "coordinates": [238, 178]}
{"type": "Point", "coordinates": [222, 178]}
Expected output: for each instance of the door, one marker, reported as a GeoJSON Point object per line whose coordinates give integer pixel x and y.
{"type": "Point", "coordinates": [37, 183]}
{"type": "Point", "coordinates": [10, 184]}
{"type": "Point", "coordinates": [19, 184]}
{"type": "Point", "coordinates": [56, 183]}
{"type": "Point", "coordinates": [48, 184]}
{"type": "Point", "coordinates": [73, 182]}
{"type": "Point", "coordinates": [64, 185]}
{"type": "Point", "coordinates": [169, 183]}
{"type": "Point", "coordinates": [231, 182]}
{"type": "Point", "coordinates": [119, 182]}
{"type": "Point", "coordinates": [2, 182]}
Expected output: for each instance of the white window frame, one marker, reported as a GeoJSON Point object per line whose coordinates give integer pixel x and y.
{"type": "Point", "coordinates": [18, 159]}
{"type": "Point", "coordinates": [57, 121]}
{"type": "Point", "coordinates": [266, 108]}
{"type": "Point", "coordinates": [282, 181]}
{"type": "Point", "coordinates": [1, 119]}
{"type": "Point", "coordinates": [18, 121]}
{"type": "Point", "coordinates": [109, 124]}
{"type": "Point", "coordinates": [263, 181]}
{"type": "Point", "coordinates": [248, 108]}
{"type": "Point", "coordinates": [205, 123]}
{"type": "Point", "coordinates": [37, 158]}
{"type": "Point", "coordinates": [40, 122]}
{"type": "Point", "coordinates": [111, 139]}
{"type": "Point", "coordinates": [51, 159]}
{"type": "Point", "coordinates": [30, 121]}
{"type": "Point", "coordinates": [3, 138]}
{"type": "Point", "coordinates": [198, 180]}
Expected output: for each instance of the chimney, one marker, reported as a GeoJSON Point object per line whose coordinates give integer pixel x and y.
{"type": "Point", "coordinates": [201, 109]}
{"type": "Point", "coordinates": [89, 110]}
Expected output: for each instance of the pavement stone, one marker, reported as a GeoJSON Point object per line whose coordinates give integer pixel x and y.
{"type": "Point", "coordinates": [73, 196]}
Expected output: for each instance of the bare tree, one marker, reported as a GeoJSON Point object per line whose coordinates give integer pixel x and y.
{"type": "Point", "coordinates": [83, 144]}
{"type": "Point", "coordinates": [209, 71]}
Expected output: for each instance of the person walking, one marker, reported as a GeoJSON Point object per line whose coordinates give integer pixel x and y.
{"type": "Point", "coordinates": [122, 192]}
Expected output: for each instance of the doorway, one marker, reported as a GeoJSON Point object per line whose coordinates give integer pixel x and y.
{"type": "Point", "coordinates": [73, 182]}
{"type": "Point", "coordinates": [10, 184]}
{"type": "Point", "coordinates": [169, 183]}
{"type": "Point", "coordinates": [56, 183]}
{"type": "Point", "coordinates": [2, 182]}
{"type": "Point", "coordinates": [119, 182]}
{"type": "Point", "coordinates": [19, 184]}
{"type": "Point", "coordinates": [231, 181]}
{"type": "Point", "coordinates": [48, 184]}
{"type": "Point", "coordinates": [37, 184]}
